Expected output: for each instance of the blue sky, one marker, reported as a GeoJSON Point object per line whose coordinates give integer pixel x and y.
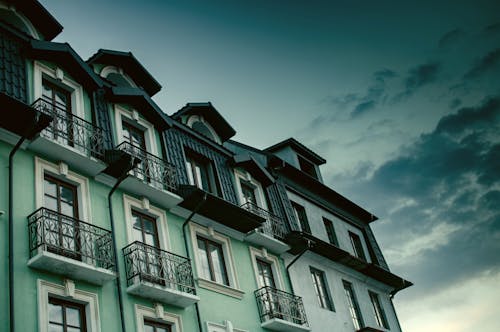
{"type": "Point", "coordinates": [402, 99]}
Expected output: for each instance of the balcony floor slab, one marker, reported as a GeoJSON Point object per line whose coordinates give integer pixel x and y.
{"type": "Point", "coordinates": [72, 268]}
{"type": "Point", "coordinates": [75, 159]}
{"type": "Point", "coordinates": [163, 294]}
{"type": "Point", "coordinates": [276, 324]}
{"type": "Point", "coordinates": [259, 238]}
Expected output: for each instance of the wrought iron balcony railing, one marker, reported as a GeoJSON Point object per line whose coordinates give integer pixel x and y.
{"type": "Point", "coordinates": [150, 264]}
{"type": "Point", "coordinates": [70, 130]}
{"type": "Point", "coordinates": [151, 169]}
{"type": "Point", "coordinates": [274, 225]}
{"type": "Point", "coordinates": [69, 237]}
{"type": "Point", "coordinates": [274, 303]}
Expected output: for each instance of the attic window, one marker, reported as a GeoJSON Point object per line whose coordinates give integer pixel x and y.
{"type": "Point", "coordinates": [118, 80]}
{"type": "Point", "coordinates": [201, 126]}
{"type": "Point", "coordinates": [307, 167]}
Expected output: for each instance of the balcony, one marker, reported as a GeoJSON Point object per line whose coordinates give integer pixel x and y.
{"type": "Point", "coordinates": [152, 177]}
{"type": "Point", "coordinates": [159, 275]}
{"type": "Point", "coordinates": [70, 247]}
{"type": "Point", "coordinates": [272, 232]}
{"type": "Point", "coordinates": [281, 311]}
{"type": "Point", "coordinates": [71, 139]}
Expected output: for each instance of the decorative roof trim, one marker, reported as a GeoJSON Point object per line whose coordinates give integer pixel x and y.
{"type": "Point", "coordinates": [298, 147]}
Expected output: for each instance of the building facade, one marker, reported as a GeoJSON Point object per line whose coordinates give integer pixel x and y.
{"type": "Point", "coordinates": [118, 217]}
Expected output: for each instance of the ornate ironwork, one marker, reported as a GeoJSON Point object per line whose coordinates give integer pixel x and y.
{"type": "Point", "coordinates": [147, 263]}
{"type": "Point", "coordinates": [274, 225]}
{"type": "Point", "coordinates": [151, 169]}
{"type": "Point", "coordinates": [66, 236]}
{"type": "Point", "coordinates": [70, 130]}
{"type": "Point", "coordinates": [275, 303]}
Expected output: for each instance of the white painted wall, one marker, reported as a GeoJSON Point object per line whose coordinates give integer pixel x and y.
{"type": "Point", "coordinates": [322, 320]}
{"type": "Point", "coordinates": [315, 216]}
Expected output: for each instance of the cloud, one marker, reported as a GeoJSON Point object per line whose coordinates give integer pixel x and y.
{"type": "Point", "coordinates": [438, 200]}
{"type": "Point", "coordinates": [454, 103]}
{"type": "Point", "coordinates": [451, 38]}
{"type": "Point", "coordinates": [486, 64]}
{"type": "Point", "coordinates": [363, 108]}
{"type": "Point", "coordinates": [418, 77]}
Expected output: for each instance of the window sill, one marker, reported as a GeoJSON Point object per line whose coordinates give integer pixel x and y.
{"type": "Point", "coordinates": [220, 288]}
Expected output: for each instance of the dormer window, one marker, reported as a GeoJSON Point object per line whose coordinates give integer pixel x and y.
{"type": "Point", "coordinates": [307, 167]}
{"type": "Point", "coordinates": [200, 172]}
{"type": "Point", "coordinates": [200, 125]}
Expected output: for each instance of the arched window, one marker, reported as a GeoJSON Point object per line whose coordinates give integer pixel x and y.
{"type": "Point", "coordinates": [15, 20]}
{"type": "Point", "coordinates": [200, 125]}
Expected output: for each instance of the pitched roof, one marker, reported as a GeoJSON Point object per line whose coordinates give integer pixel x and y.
{"type": "Point", "coordinates": [131, 65]}
{"type": "Point", "coordinates": [41, 19]}
{"type": "Point", "coordinates": [298, 147]}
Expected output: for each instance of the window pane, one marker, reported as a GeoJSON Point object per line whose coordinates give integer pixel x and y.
{"type": "Point", "coordinates": [73, 317]}
{"type": "Point", "coordinates": [55, 313]}
{"type": "Point", "coordinates": [67, 195]}
{"type": "Point", "coordinates": [55, 328]}
{"type": "Point", "coordinates": [50, 203]}
{"type": "Point", "coordinates": [50, 188]}
{"type": "Point", "coordinates": [205, 265]}
{"type": "Point", "coordinates": [148, 328]}
{"type": "Point", "coordinates": [219, 266]}
{"type": "Point", "coordinates": [73, 329]}
{"type": "Point", "coordinates": [190, 172]}
{"type": "Point", "coordinates": [67, 209]}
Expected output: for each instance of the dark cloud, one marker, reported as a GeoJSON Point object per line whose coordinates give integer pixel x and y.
{"type": "Point", "coordinates": [487, 63]}
{"type": "Point", "coordinates": [418, 77]}
{"type": "Point", "coordinates": [384, 74]}
{"type": "Point", "coordinates": [447, 180]}
{"type": "Point", "coordinates": [363, 108]}
{"type": "Point", "coordinates": [451, 38]}
{"type": "Point", "coordinates": [493, 28]}
{"type": "Point", "coordinates": [454, 103]}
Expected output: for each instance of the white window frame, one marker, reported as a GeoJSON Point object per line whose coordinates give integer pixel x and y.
{"type": "Point", "coordinates": [40, 69]}
{"type": "Point", "coordinates": [242, 175]}
{"type": "Point", "coordinates": [156, 314]}
{"type": "Point", "coordinates": [105, 71]}
{"type": "Point", "coordinates": [133, 117]}
{"type": "Point", "coordinates": [364, 245]}
{"type": "Point", "coordinates": [61, 171]}
{"type": "Point", "coordinates": [144, 207]}
{"type": "Point", "coordinates": [226, 327]}
{"type": "Point", "coordinates": [263, 255]}
{"type": "Point", "coordinates": [225, 242]}
{"type": "Point", "coordinates": [67, 292]}
{"type": "Point", "coordinates": [195, 118]}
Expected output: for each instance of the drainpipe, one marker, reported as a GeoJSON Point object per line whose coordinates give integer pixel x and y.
{"type": "Point", "coordinates": [110, 206]}
{"type": "Point", "coordinates": [38, 125]}
{"type": "Point", "coordinates": [11, 234]}
{"type": "Point", "coordinates": [307, 247]}
{"type": "Point", "coordinates": [202, 201]}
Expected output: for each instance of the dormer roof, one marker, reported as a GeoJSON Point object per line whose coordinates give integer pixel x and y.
{"type": "Point", "coordinates": [39, 17]}
{"type": "Point", "coordinates": [129, 63]}
{"type": "Point", "coordinates": [210, 114]}
{"type": "Point", "coordinates": [298, 147]}
{"type": "Point", "coordinates": [63, 55]}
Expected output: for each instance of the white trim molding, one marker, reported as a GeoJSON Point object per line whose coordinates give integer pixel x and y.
{"type": "Point", "coordinates": [40, 69]}
{"type": "Point", "coordinates": [143, 206]}
{"type": "Point", "coordinates": [198, 118]}
{"type": "Point", "coordinates": [156, 314]}
{"type": "Point", "coordinates": [262, 254]}
{"type": "Point", "coordinates": [242, 175]}
{"type": "Point", "coordinates": [233, 289]}
{"type": "Point", "coordinates": [32, 31]}
{"type": "Point", "coordinates": [105, 71]}
{"type": "Point", "coordinates": [61, 171]}
{"type": "Point", "coordinates": [132, 116]}
{"type": "Point", "coordinates": [70, 292]}
{"type": "Point", "coordinates": [227, 326]}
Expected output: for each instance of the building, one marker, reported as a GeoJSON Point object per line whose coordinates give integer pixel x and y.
{"type": "Point", "coordinates": [118, 217]}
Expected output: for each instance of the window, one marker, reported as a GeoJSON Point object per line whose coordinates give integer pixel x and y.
{"type": "Point", "coordinates": [248, 192]}
{"type": "Point", "coordinates": [378, 310]}
{"type": "Point", "coordinates": [59, 101]}
{"type": "Point", "coordinates": [66, 316]}
{"type": "Point", "coordinates": [300, 215]}
{"type": "Point", "coordinates": [357, 246]}
{"type": "Point", "coordinates": [200, 172]}
{"type": "Point", "coordinates": [81, 308]}
{"type": "Point", "coordinates": [265, 273]}
{"type": "Point", "coordinates": [144, 229]}
{"type": "Point", "coordinates": [156, 319]}
{"type": "Point", "coordinates": [133, 135]}
{"type": "Point", "coordinates": [330, 231]}
{"type": "Point", "coordinates": [61, 229]}
{"type": "Point", "coordinates": [307, 167]}
{"type": "Point", "coordinates": [203, 129]}
{"type": "Point", "coordinates": [320, 287]}
{"type": "Point", "coordinates": [152, 326]}
{"type": "Point", "coordinates": [352, 303]}
{"type": "Point", "coordinates": [211, 256]}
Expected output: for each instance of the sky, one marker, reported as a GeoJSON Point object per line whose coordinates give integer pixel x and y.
{"type": "Point", "coordinates": [402, 99]}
